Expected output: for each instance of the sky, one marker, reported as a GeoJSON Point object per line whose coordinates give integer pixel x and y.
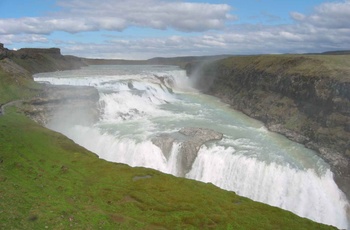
{"type": "Point", "coordinates": [142, 29]}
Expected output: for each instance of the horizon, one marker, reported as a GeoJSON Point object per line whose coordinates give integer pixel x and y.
{"type": "Point", "coordinates": [190, 56]}
{"type": "Point", "coordinates": [141, 30]}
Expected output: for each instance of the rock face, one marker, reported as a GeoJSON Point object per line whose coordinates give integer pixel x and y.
{"type": "Point", "coordinates": [3, 51]}
{"type": "Point", "coordinates": [305, 98]}
{"type": "Point", "coordinates": [190, 139]}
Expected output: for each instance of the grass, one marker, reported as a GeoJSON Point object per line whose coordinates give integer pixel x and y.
{"type": "Point", "coordinates": [338, 65]}
{"type": "Point", "coordinates": [14, 87]}
{"type": "Point", "coordinates": [335, 66]}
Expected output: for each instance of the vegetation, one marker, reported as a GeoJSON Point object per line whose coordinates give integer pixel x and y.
{"type": "Point", "coordinates": [13, 87]}
{"type": "Point", "coordinates": [336, 66]}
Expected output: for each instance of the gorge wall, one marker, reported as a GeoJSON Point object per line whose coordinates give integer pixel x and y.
{"type": "Point", "coordinates": [36, 60]}
{"type": "Point", "coordinates": [305, 98]}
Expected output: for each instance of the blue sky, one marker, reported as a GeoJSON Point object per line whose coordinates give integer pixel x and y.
{"type": "Point", "coordinates": [140, 29]}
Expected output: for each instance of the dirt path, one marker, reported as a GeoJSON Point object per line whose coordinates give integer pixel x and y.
{"type": "Point", "coordinates": [3, 106]}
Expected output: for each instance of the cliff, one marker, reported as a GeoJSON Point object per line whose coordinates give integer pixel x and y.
{"type": "Point", "coordinates": [304, 97]}
{"type": "Point", "coordinates": [36, 60]}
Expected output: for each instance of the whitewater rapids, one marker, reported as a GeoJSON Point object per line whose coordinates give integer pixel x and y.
{"type": "Point", "coordinates": [138, 102]}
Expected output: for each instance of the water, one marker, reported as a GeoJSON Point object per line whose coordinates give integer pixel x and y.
{"type": "Point", "coordinates": [138, 102]}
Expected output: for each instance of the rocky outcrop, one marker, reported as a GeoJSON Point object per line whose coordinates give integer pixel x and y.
{"type": "Point", "coordinates": [190, 139]}
{"type": "Point", "coordinates": [34, 52]}
{"type": "Point", "coordinates": [3, 52]}
{"type": "Point", "coordinates": [305, 98]}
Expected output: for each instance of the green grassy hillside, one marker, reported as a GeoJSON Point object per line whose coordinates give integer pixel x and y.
{"type": "Point", "coordinates": [14, 87]}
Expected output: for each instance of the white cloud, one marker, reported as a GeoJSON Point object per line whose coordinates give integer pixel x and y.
{"type": "Point", "coordinates": [42, 25]}
{"type": "Point", "coordinates": [92, 15]}
{"type": "Point", "coordinates": [32, 38]}
{"type": "Point", "coordinates": [297, 16]}
{"type": "Point", "coordinates": [327, 15]}
{"type": "Point", "coordinates": [253, 39]}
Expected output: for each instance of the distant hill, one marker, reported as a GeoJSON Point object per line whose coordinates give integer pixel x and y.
{"type": "Point", "coordinates": [185, 59]}
{"type": "Point", "coordinates": [339, 52]}
{"type": "Point", "coordinates": [335, 52]}
{"type": "Point", "coordinates": [180, 61]}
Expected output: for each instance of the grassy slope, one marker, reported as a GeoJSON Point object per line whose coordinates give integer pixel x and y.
{"type": "Point", "coordinates": [48, 181]}
{"type": "Point", "coordinates": [336, 66]}
{"type": "Point", "coordinates": [14, 88]}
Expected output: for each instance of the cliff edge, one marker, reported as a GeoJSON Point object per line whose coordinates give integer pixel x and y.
{"type": "Point", "coordinates": [304, 97]}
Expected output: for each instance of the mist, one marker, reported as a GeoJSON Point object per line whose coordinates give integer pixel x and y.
{"type": "Point", "coordinates": [202, 74]}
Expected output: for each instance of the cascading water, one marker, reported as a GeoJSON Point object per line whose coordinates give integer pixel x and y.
{"type": "Point", "coordinates": [139, 102]}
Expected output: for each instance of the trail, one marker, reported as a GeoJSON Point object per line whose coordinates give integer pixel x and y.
{"type": "Point", "coordinates": [3, 106]}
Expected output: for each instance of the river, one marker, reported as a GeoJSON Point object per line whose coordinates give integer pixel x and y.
{"type": "Point", "coordinates": [138, 103]}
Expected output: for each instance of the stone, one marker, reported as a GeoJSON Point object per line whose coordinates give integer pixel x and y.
{"type": "Point", "coordinates": [165, 142]}
{"type": "Point", "coordinates": [191, 139]}
{"type": "Point", "coordinates": [294, 136]}
{"type": "Point", "coordinates": [3, 52]}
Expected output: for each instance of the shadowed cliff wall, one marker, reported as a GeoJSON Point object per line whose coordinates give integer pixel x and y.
{"type": "Point", "coordinates": [306, 98]}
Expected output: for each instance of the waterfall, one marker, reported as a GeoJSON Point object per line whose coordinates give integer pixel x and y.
{"type": "Point", "coordinates": [300, 191]}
